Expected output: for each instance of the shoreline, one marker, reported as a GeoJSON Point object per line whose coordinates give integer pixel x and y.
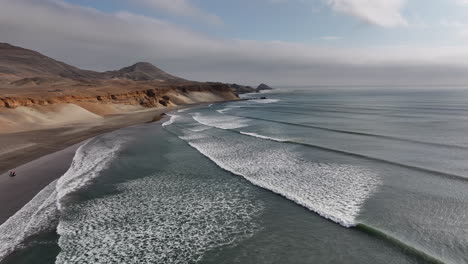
{"type": "Point", "coordinates": [51, 154]}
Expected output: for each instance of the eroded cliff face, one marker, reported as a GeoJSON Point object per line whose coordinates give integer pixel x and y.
{"type": "Point", "coordinates": [35, 111]}
{"type": "Point", "coordinates": [153, 97]}
{"type": "Point", "coordinates": [38, 92]}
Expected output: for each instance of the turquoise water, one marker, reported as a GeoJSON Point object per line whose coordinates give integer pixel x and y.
{"type": "Point", "coordinates": [305, 176]}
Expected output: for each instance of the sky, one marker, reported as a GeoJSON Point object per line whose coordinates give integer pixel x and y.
{"type": "Point", "coordinates": [279, 42]}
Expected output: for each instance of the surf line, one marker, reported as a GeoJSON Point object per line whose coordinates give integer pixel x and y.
{"type": "Point", "coordinates": [391, 240]}
{"type": "Point", "coordinates": [402, 165]}
{"type": "Point", "coordinates": [430, 171]}
{"type": "Point", "coordinates": [405, 248]}
{"type": "Point", "coordinates": [355, 133]}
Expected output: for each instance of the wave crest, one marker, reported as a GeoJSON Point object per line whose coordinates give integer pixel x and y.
{"type": "Point", "coordinates": [90, 159]}
{"type": "Point", "coordinates": [334, 191]}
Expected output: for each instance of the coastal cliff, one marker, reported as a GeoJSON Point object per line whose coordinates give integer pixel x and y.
{"type": "Point", "coordinates": [152, 97]}
{"type": "Point", "coordinates": [37, 91]}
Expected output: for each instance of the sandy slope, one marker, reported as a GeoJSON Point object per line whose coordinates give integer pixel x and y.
{"type": "Point", "coordinates": [40, 117]}
{"type": "Point", "coordinates": [35, 117]}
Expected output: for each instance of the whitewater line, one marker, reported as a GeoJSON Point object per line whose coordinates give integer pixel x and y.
{"type": "Point", "coordinates": [340, 207]}
{"type": "Point", "coordinates": [356, 133]}
{"type": "Point", "coordinates": [435, 172]}
{"type": "Point", "coordinates": [37, 216]}
{"type": "Point", "coordinates": [171, 120]}
{"type": "Point", "coordinates": [344, 221]}
{"type": "Point", "coordinates": [298, 199]}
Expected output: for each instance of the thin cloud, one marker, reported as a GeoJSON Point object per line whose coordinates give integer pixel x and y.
{"type": "Point", "coordinates": [96, 40]}
{"type": "Point", "coordinates": [384, 13]}
{"type": "Point", "coordinates": [330, 38]}
{"type": "Point", "coordinates": [461, 2]}
{"type": "Point", "coordinates": [180, 8]}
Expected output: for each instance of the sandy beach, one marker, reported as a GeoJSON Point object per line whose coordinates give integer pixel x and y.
{"type": "Point", "coordinates": [41, 156]}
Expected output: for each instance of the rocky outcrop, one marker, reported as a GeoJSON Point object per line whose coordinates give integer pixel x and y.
{"type": "Point", "coordinates": [262, 87]}
{"type": "Point", "coordinates": [241, 89]}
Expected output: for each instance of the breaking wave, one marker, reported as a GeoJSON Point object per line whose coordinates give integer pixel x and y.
{"type": "Point", "coordinates": [42, 213]}
{"type": "Point", "coordinates": [39, 215]}
{"type": "Point", "coordinates": [171, 120]}
{"type": "Point", "coordinates": [265, 101]}
{"type": "Point", "coordinates": [262, 136]}
{"type": "Point", "coordinates": [334, 191]}
{"type": "Point", "coordinates": [90, 159]}
{"type": "Point", "coordinates": [220, 121]}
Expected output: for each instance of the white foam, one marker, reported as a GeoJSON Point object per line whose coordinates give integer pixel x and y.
{"type": "Point", "coordinates": [265, 101]}
{"type": "Point", "coordinates": [171, 217]}
{"type": "Point", "coordinates": [42, 212]}
{"type": "Point", "coordinates": [89, 160]}
{"type": "Point", "coordinates": [220, 121]}
{"type": "Point", "coordinates": [171, 120]}
{"type": "Point", "coordinates": [334, 191]}
{"type": "Point", "coordinates": [268, 91]}
{"type": "Point", "coordinates": [262, 136]}
{"type": "Point", "coordinates": [200, 128]}
{"type": "Point", "coordinates": [183, 110]}
{"type": "Point", "coordinates": [39, 215]}
{"type": "Point", "coordinates": [222, 111]}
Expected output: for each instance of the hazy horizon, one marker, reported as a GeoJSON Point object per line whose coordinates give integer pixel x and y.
{"type": "Point", "coordinates": [280, 42]}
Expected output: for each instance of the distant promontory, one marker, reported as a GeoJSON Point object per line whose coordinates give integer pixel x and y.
{"type": "Point", "coordinates": [242, 89]}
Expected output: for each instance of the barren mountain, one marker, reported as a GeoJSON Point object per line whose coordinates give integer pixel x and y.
{"type": "Point", "coordinates": [32, 84]}
{"type": "Point", "coordinates": [17, 63]}
{"type": "Point", "coordinates": [142, 71]}
{"type": "Point", "coordinates": [20, 66]}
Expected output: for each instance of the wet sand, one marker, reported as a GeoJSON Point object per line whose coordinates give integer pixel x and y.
{"type": "Point", "coordinates": [42, 156]}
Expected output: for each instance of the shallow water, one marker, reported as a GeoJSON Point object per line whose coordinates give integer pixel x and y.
{"type": "Point", "coordinates": [306, 176]}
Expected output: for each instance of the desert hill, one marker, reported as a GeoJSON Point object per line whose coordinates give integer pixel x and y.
{"type": "Point", "coordinates": [17, 63]}
{"type": "Point", "coordinates": [142, 71]}
{"type": "Point", "coordinates": [36, 90]}
{"type": "Point", "coordinates": [19, 66]}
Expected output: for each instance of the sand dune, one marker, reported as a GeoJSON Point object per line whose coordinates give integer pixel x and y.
{"type": "Point", "coordinates": [194, 97]}
{"type": "Point", "coordinates": [39, 117]}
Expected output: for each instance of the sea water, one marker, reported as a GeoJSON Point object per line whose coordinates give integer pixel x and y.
{"type": "Point", "coordinates": [312, 175]}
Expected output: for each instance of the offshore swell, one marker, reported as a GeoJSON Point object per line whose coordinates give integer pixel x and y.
{"type": "Point", "coordinates": [235, 118]}
{"type": "Point", "coordinates": [395, 200]}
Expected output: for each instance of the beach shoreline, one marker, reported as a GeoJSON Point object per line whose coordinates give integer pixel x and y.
{"type": "Point", "coordinates": [49, 153]}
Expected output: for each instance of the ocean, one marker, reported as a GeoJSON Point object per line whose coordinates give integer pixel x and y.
{"type": "Point", "coordinates": [308, 175]}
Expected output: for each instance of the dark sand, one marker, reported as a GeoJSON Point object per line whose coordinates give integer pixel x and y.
{"type": "Point", "coordinates": [32, 178]}
{"type": "Point", "coordinates": [49, 156]}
